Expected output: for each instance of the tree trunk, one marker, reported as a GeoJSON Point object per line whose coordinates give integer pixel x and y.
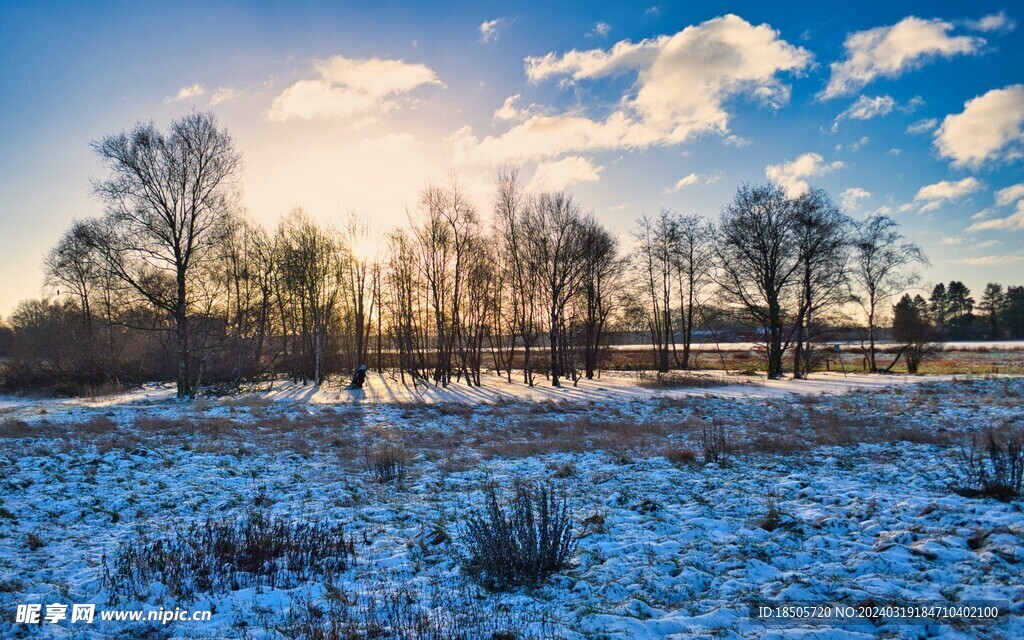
{"type": "Point", "coordinates": [181, 321]}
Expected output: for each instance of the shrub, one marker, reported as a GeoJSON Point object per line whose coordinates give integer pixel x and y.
{"type": "Point", "coordinates": [993, 468]}
{"type": "Point", "coordinates": [680, 455]}
{"type": "Point", "coordinates": [449, 610]}
{"type": "Point", "coordinates": [677, 380]}
{"type": "Point", "coordinates": [521, 543]}
{"type": "Point", "coordinates": [387, 464]}
{"type": "Point", "coordinates": [33, 541]}
{"type": "Point", "coordinates": [216, 556]}
{"type": "Point", "coordinates": [715, 446]}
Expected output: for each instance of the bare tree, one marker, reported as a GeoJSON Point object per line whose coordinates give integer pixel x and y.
{"type": "Point", "coordinates": [403, 305]}
{"type": "Point", "coordinates": [358, 266]}
{"type": "Point", "coordinates": [601, 269]}
{"type": "Point", "coordinates": [445, 235]}
{"type": "Point", "coordinates": [554, 228]}
{"type": "Point", "coordinates": [758, 260]}
{"type": "Point", "coordinates": [882, 269]}
{"type": "Point", "coordinates": [242, 266]}
{"type": "Point", "coordinates": [166, 194]}
{"type": "Point", "coordinates": [823, 239]}
{"type": "Point", "coordinates": [693, 261]}
{"type": "Point", "coordinates": [654, 262]}
{"type": "Point", "coordinates": [73, 268]}
{"type": "Point", "coordinates": [511, 208]}
{"type": "Point", "coordinates": [311, 271]}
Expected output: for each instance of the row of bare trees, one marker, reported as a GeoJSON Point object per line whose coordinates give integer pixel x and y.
{"type": "Point", "coordinates": [455, 291]}
{"type": "Point", "coordinates": [789, 267]}
{"type": "Point", "coordinates": [173, 269]}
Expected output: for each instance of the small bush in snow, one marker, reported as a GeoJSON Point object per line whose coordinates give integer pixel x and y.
{"type": "Point", "coordinates": [715, 446]}
{"type": "Point", "coordinates": [217, 556]}
{"type": "Point", "coordinates": [521, 543]}
{"type": "Point", "coordinates": [993, 468]}
{"type": "Point", "coordinates": [447, 611]}
{"type": "Point", "coordinates": [387, 464]}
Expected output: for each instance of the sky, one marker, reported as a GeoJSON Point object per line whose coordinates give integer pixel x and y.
{"type": "Point", "coordinates": [913, 110]}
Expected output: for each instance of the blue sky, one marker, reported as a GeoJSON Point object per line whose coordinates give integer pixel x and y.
{"type": "Point", "coordinates": [911, 109]}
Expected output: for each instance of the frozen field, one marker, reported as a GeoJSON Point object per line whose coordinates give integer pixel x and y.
{"type": "Point", "coordinates": [386, 389]}
{"type": "Point", "coordinates": [838, 496]}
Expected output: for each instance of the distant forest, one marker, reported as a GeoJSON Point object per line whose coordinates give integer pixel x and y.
{"type": "Point", "coordinates": [174, 282]}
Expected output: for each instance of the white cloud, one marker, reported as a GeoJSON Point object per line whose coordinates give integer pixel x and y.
{"type": "Point", "coordinates": [856, 146]}
{"type": "Point", "coordinates": [733, 140]}
{"type": "Point", "coordinates": [951, 241]}
{"type": "Point", "coordinates": [683, 182]}
{"type": "Point", "coordinates": [922, 126]}
{"type": "Point", "coordinates": [948, 190]}
{"type": "Point", "coordinates": [224, 94]}
{"type": "Point", "coordinates": [600, 30]}
{"type": "Point", "coordinates": [1010, 196]}
{"type": "Point", "coordinates": [993, 22]}
{"type": "Point", "coordinates": [867, 107]}
{"type": "Point", "coordinates": [986, 244]}
{"type": "Point", "coordinates": [934, 195]}
{"type": "Point", "coordinates": [986, 261]}
{"type": "Point", "coordinates": [508, 110]}
{"type": "Point", "coordinates": [991, 127]}
{"type": "Point", "coordinates": [185, 93]}
{"type": "Point", "coordinates": [892, 50]}
{"type": "Point", "coordinates": [852, 197]}
{"type": "Point", "coordinates": [351, 88]}
{"type": "Point", "coordinates": [792, 175]}
{"type": "Point", "coordinates": [559, 174]}
{"type": "Point", "coordinates": [683, 83]}
{"type": "Point", "coordinates": [490, 29]}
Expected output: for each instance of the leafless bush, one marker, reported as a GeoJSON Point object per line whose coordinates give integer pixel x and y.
{"type": "Point", "coordinates": [680, 455]}
{"type": "Point", "coordinates": [33, 541]}
{"type": "Point", "coordinates": [449, 611]}
{"type": "Point", "coordinates": [522, 543]}
{"type": "Point", "coordinates": [217, 556]}
{"type": "Point", "coordinates": [387, 464]}
{"type": "Point", "coordinates": [715, 445]}
{"type": "Point", "coordinates": [653, 380]}
{"type": "Point", "coordinates": [991, 468]}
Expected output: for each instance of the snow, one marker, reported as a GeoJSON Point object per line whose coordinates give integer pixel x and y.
{"type": "Point", "coordinates": [679, 552]}
{"type": "Point", "coordinates": [388, 389]}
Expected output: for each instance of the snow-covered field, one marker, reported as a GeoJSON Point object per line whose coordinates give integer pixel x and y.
{"type": "Point", "coordinates": [836, 494]}
{"type": "Point", "coordinates": [159, 399]}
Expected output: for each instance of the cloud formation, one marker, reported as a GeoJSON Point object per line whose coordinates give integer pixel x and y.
{"type": "Point", "coordinates": [1010, 196]}
{"type": "Point", "coordinates": [224, 94]}
{"type": "Point", "coordinates": [985, 261]}
{"type": "Point", "coordinates": [489, 29]}
{"type": "Point", "coordinates": [683, 182]}
{"type": "Point", "coordinates": [934, 195]}
{"type": "Point", "coordinates": [557, 175]}
{"type": "Point", "coordinates": [351, 88]}
{"type": "Point", "coordinates": [682, 85]}
{"type": "Point", "coordinates": [891, 51]}
{"type": "Point", "coordinates": [852, 197]}
{"type": "Point", "coordinates": [990, 128]}
{"type": "Point", "coordinates": [993, 22]}
{"type": "Point", "coordinates": [792, 176]}
{"type": "Point", "coordinates": [867, 107]}
{"type": "Point", "coordinates": [185, 93]}
{"type": "Point", "coordinates": [922, 126]}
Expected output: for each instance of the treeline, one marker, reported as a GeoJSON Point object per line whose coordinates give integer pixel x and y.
{"type": "Point", "coordinates": [173, 282]}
